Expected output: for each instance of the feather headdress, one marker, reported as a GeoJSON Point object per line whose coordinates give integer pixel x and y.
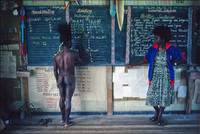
{"type": "Point", "coordinates": [65, 32]}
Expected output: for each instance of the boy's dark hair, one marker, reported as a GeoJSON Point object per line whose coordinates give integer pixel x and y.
{"type": "Point", "coordinates": [163, 31]}
{"type": "Point", "coordinates": [65, 32]}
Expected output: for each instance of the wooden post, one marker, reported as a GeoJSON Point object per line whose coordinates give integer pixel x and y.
{"type": "Point", "coordinates": [189, 96]}
{"type": "Point", "coordinates": [24, 74]}
{"type": "Point", "coordinates": [109, 90]}
{"type": "Point", "coordinates": [191, 76]}
{"type": "Point", "coordinates": [26, 95]}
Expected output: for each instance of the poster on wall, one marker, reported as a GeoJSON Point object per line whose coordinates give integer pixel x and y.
{"type": "Point", "coordinates": [133, 83]}
{"type": "Point", "coordinates": [8, 65]}
{"type": "Point", "coordinates": [44, 94]}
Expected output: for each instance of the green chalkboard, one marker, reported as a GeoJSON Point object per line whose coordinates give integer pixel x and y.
{"type": "Point", "coordinates": [42, 39]}
{"type": "Point", "coordinates": [143, 21]}
{"type": "Point", "coordinates": [91, 27]}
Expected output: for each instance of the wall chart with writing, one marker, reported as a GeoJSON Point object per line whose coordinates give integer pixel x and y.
{"type": "Point", "coordinates": [44, 93]}
{"type": "Point", "coordinates": [91, 27]}
{"type": "Point", "coordinates": [144, 19]}
{"type": "Point", "coordinates": [42, 37]}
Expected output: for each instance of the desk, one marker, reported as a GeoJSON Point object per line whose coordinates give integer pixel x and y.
{"type": "Point", "coordinates": [191, 76]}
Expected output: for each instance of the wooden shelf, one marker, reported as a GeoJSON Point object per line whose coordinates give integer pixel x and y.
{"type": "Point", "coordinates": [24, 73]}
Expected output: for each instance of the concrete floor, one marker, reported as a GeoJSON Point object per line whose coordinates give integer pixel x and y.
{"type": "Point", "coordinates": [103, 124]}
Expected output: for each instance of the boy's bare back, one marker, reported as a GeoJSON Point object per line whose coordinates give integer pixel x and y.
{"type": "Point", "coordinates": [65, 61]}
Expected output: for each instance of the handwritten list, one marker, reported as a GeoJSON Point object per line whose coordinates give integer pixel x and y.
{"type": "Point", "coordinates": [143, 21]}
{"type": "Point", "coordinates": [90, 26]}
{"type": "Point", "coordinates": [42, 37]}
{"type": "Point", "coordinates": [44, 92]}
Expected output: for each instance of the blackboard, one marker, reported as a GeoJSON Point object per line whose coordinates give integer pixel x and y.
{"type": "Point", "coordinates": [196, 36]}
{"type": "Point", "coordinates": [42, 37]}
{"type": "Point", "coordinates": [91, 27]}
{"type": "Point", "coordinates": [143, 21]}
{"type": "Point", "coordinates": [120, 42]}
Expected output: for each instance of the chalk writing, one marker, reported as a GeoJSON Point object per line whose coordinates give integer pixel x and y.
{"type": "Point", "coordinates": [84, 11]}
{"type": "Point", "coordinates": [43, 12]}
{"type": "Point", "coordinates": [90, 28]}
{"type": "Point", "coordinates": [42, 37]}
{"type": "Point", "coordinates": [143, 22]}
{"type": "Point", "coordinates": [162, 10]}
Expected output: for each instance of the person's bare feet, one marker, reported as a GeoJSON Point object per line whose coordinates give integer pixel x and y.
{"type": "Point", "coordinates": [68, 125]}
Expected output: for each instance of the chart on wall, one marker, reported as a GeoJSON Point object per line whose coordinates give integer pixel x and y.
{"type": "Point", "coordinates": [44, 93]}
{"type": "Point", "coordinates": [91, 27]}
{"type": "Point", "coordinates": [42, 37]}
{"type": "Point", "coordinates": [144, 19]}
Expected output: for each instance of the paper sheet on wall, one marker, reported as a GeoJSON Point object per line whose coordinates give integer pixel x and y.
{"type": "Point", "coordinates": [182, 91]}
{"type": "Point", "coordinates": [135, 92]}
{"type": "Point", "coordinates": [93, 83]}
{"type": "Point", "coordinates": [8, 65]}
{"type": "Point", "coordinates": [140, 74]}
{"type": "Point", "coordinates": [132, 77]}
{"type": "Point", "coordinates": [118, 92]}
{"type": "Point", "coordinates": [146, 74]}
{"type": "Point", "coordinates": [119, 69]}
{"type": "Point", "coordinates": [123, 78]}
{"type": "Point", "coordinates": [127, 91]}
{"type": "Point", "coordinates": [136, 79]}
{"type": "Point", "coordinates": [132, 74]}
{"type": "Point", "coordinates": [140, 89]}
{"type": "Point", "coordinates": [9, 47]}
{"type": "Point", "coordinates": [120, 76]}
{"type": "Point", "coordinates": [44, 94]}
{"type": "Point", "coordinates": [116, 77]}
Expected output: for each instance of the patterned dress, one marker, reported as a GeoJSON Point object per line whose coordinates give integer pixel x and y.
{"type": "Point", "coordinates": [160, 91]}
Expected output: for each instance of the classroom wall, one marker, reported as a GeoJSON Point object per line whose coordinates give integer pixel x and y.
{"type": "Point", "coordinates": [130, 88]}
{"type": "Point", "coordinates": [11, 86]}
{"type": "Point", "coordinates": [94, 98]}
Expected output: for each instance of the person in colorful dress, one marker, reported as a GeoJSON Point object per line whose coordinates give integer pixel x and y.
{"type": "Point", "coordinates": [64, 61]}
{"type": "Point", "coordinates": [162, 57]}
